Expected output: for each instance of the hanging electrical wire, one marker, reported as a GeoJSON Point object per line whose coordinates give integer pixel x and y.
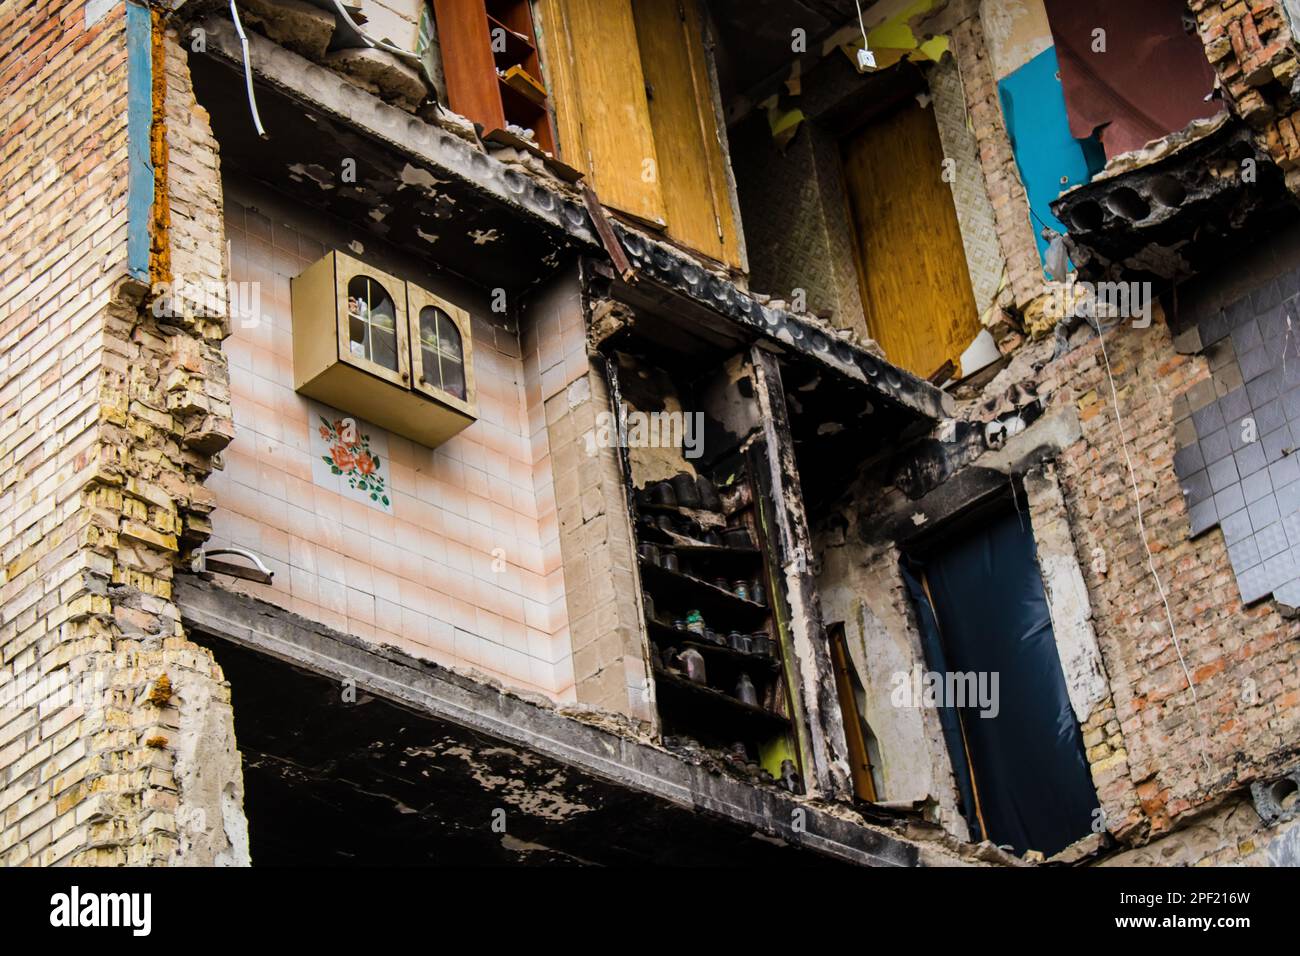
{"type": "Point", "coordinates": [248, 70]}
{"type": "Point", "coordinates": [1151, 561]}
{"type": "Point", "coordinates": [866, 59]}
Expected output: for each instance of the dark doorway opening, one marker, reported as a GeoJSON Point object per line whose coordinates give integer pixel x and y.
{"type": "Point", "coordinates": [995, 676]}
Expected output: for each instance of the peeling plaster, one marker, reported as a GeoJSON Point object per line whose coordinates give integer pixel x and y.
{"type": "Point", "coordinates": [318, 174]}
{"type": "Point", "coordinates": [211, 828]}
{"type": "Point", "coordinates": [1067, 596]}
{"type": "Point", "coordinates": [1016, 31]}
{"type": "Point", "coordinates": [415, 176]}
{"type": "Point", "coordinates": [544, 800]}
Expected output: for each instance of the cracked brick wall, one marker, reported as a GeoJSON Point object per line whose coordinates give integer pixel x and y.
{"type": "Point", "coordinates": [1175, 757]}
{"type": "Point", "coordinates": [1006, 192]}
{"type": "Point", "coordinates": [1252, 47]}
{"type": "Point", "coordinates": [116, 742]}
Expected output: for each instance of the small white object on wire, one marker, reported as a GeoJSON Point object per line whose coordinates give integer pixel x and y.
{"type": "Point", "coordinates": [248, 70]}
{"type": "Point", "coordinates": [371, 41]}
{"type": "Point", "coordinates": [866, 59]}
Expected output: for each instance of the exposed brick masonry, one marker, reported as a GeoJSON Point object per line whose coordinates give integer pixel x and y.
{"type": "Point", "coordinates": [1243, 661]}
{"type": "Point", "coordinates": [111, 418]}
{"type": "Point", "coordinates": [1001, 175]}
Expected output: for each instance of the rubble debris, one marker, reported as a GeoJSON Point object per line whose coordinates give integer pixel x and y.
{"type": "Point", "coordinates": [295, 24]}
{"type": "Point", "coordinates": [381, 73]}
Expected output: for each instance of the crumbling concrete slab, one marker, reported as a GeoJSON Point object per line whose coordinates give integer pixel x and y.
{"type": "Point", "coordinates": [294, 24]}
{"type": "Point", "coordinates": [381, 73]}
{"type": "Point", "coordinates": [599, 744]}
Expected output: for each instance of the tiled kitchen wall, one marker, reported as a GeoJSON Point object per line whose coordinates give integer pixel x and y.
{"type": "Point", "coordinates": [1239, 431]}
{"type": "Point", "coordinates": [462, 566]}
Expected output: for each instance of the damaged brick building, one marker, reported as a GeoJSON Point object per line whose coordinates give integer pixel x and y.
{"type": "Point", "coordinates": [649, 431]}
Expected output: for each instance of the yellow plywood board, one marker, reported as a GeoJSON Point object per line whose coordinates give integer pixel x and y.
{"type": "Point", "coordinates": [692, 164]}
{"type": "Point", "coordinates": [598, 91]}
{"type": "Point", "coordinates": [911, 262]}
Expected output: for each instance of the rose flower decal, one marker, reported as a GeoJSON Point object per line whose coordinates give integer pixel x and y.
{"type": "Point", "coordinates": [353, 459]}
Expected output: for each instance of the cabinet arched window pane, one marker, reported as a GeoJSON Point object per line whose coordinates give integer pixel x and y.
{"type": "Point", "coordinates": [442, 356]}
{"type": "Point", "coordinates": [451, 356]}
{"type": "Point", "coordinates": [372, 322]}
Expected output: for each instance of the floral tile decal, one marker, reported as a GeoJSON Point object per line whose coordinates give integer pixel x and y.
{"type": "Point", "coordinates": [349, 456]}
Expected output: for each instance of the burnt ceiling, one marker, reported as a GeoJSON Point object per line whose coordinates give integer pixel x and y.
{"type": "Point", "coordinates": [755, 36]}
{"type": "Point", "coordinates": [463, 229]}
{"type": "Point", "coordinates": [328, 782]}
{"type": "Point", "coordinates": [839, 431]}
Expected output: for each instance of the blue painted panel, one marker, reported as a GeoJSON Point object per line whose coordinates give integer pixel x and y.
{"type": "Point", "coordinates": [1050, 159]}
{"type": "Point", "coordinates": [139, 120]}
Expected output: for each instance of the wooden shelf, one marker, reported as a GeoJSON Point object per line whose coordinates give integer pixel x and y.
{"type": "Point", "coordinates": [519, 80]}
{"type": "Point", "coordinates": [518, 47]}
{"type": "Point", "coordinates": [475, 88]}
{"type": "Point", "coordinates": [726, 561]}
{"type": "Point", "coordinates": [666, 635]}
{"type": "Point", "coordinates": [703, 516]}
{"type": "Point", "coordinates": [727, 713]}
{"type": "Point", "coordinates": [712, 550]}
{"type": "Point", "coordinates": [717, 605]}
{"type": "Point", "coordinates": [521, 109]}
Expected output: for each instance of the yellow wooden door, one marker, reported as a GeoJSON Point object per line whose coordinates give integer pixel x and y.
{"type": "Point", "coordinates": [687, 130]}
{"type": "Point", "coordinates": [911, 264]}
{"type": "Point", "coordinates": [598, 89]}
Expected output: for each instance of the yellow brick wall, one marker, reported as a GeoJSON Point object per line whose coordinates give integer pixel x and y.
{"type": "Point", "coordinates": [110, 417]}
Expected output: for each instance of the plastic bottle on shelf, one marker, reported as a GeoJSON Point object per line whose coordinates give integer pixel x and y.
{"type": "Point", "coordinates": [746, 693]}
{"type": "Point", "coordinates": [692, 662]}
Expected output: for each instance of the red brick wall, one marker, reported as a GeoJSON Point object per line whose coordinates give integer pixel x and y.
{"type": "Point", "coordinates": [1249, 729]}
{"type": "Point", "coordinates": [1001, 175]}
{"type": "Point", "coordinates": [1250, 44]}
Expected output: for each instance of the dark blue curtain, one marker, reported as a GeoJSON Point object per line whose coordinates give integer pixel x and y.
{"type": "Point", "coordinates": [988, 614]}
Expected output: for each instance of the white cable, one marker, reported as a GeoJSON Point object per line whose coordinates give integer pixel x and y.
{"type": "Point", "coordinates": [866, 59]}
{"type": "Point", "coordinates": [1151, 561]}
{"type": "Point", "coordinates": [248, 70]}
{"type": "Point", "coordinates": [371, 41]}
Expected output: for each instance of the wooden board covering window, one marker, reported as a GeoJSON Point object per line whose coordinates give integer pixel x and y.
{"type": "Point", "coordinates": [855, 737]}
{"type": "Point", "coordinates": [692, 170]}
{"type": "Point", "coordinates": [911, 263]}
{"type": "Point", "coordinates": [598, 91]}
